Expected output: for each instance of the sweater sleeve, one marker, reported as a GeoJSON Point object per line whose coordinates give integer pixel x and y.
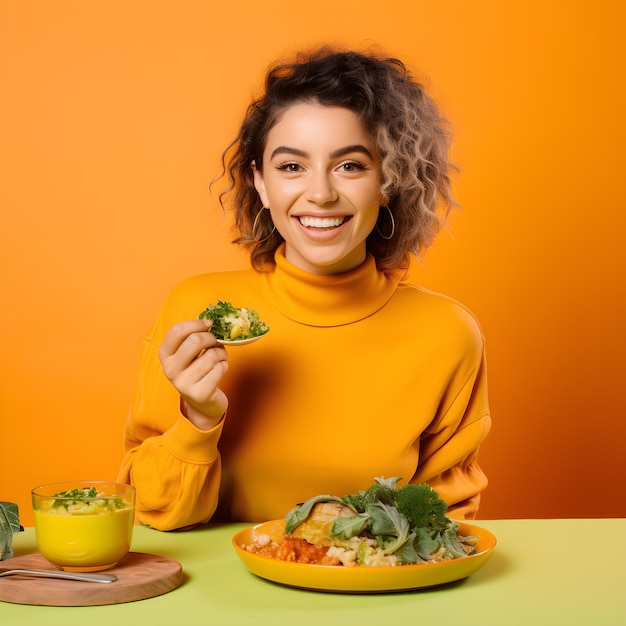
{"type": "Point", "coordinates": [449, 447]}
{"type": "Point", "coordinates": [174, 467]}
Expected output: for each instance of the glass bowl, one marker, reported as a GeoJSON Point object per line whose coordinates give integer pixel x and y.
{"type": "Point", "coordinates": [84, 526]}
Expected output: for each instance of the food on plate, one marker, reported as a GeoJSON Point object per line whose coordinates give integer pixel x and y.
{"type": "Point", "coordinates": [382, 526]}
{"type": "Point", "coordinates": [231, 323]}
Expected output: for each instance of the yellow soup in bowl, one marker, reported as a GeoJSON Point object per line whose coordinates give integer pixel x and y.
{"type": "Point", "coordinates": [84, 526]}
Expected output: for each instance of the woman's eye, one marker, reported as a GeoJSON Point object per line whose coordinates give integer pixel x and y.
{"type": "Point", "coordinates": [351, 166]}
{"type": "Point", "coordinates": [290, 167]}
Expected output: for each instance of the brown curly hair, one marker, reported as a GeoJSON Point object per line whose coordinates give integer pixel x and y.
{"type": "Point", "coordinates": [411, 136]}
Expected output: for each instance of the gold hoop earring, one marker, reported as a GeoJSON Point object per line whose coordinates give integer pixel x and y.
{"type": "Point", "coordinates": [393, 225]}
{"type": "Point", "coordinates": [255, 225]}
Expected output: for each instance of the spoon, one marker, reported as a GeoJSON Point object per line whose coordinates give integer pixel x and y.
{"type": "Point", "coordinates": [93, 578]}
{"type": "Point", "coordinates": [241, 342]}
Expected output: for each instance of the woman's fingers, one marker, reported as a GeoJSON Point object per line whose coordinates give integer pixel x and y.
{"type": "Point", "coordinates": [207, 365]}
{"type": "Point", "coordinates": [194, 362]}
{"type": "Point", "coordinates": [200, 381]}
{"type": "Point", "coordinates": [187, 340]}
{"type": "Point", "coordinates": [183, 344]}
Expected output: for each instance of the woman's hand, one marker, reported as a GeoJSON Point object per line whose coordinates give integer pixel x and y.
{"type": "Point", "coordinates": [195, 364]}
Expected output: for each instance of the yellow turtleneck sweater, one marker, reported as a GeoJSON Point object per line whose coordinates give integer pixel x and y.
{"type": "Point", "coordinates": [360, 376]}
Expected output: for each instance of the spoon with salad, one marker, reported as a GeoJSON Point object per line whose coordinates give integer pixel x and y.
{"type": "Point", "coordinates": [234, 326]}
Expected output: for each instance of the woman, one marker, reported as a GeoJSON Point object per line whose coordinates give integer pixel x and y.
{"type": "Point", "coordinates": [339, 173]}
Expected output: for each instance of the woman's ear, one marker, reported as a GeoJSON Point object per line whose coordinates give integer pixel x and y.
{"type": "Point", "coordinates": [259, 185]}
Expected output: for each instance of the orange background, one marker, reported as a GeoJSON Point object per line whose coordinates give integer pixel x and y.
{"type": "Point", "coordinates": [113, 116]}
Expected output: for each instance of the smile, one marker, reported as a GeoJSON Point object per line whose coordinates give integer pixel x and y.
{"type": "Point", "coordinates": [321, 222]}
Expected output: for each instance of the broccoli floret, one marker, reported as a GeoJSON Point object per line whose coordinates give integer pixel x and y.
{"type": "Point", "coordinates": [422, 506]}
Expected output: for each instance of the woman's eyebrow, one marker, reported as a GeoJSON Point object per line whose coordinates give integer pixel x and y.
{"type": "Point", "coordinates": [287, 150]}
{"type": "Point", "coordinates": [348, 149]}
{"type": "Point", "coordinates": [333, 155]}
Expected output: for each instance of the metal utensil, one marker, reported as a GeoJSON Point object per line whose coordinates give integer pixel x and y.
{"type": "Point", "coordinates": [90, 578]}
{"type": "Point", "coordinates": [239, 342]}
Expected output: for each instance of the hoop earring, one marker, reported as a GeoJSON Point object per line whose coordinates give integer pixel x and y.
{"type": "Point", "coordinates": [255, 225]}
{"type": "Point", "coordinates": [393, 225]}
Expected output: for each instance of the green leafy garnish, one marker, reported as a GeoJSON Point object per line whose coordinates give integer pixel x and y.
{"type": "Point", "coordinates": [298, 514]}
{"type": "Point", "coordinates": [347, 527]}
{"type": "Point", "coordinates": [231, 323]}
{"type": "Point", "coordinates": [84, 501]}
{"type": "Point", "coordinates": [422, 506]}
{"type": "Point", "coordinates": [73, 496]}
{"type": "Point", "coordinates": [409, 522]}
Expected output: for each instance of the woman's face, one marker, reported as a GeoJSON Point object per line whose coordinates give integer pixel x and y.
{"type": "Point", "coordinates": [321, 180]}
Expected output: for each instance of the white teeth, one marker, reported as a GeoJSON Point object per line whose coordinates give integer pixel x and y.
{"type": "Point", "coordinates": [321, 222]}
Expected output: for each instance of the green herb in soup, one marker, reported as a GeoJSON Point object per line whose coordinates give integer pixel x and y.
{"type": "Point", "coordinates": [231, 323]}
{"type": "Point", "coordinates": [85, 501]}
{"type": "Point", "coordinates": [77, 494]}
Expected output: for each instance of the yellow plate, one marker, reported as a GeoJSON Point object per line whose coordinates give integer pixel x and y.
{"type": "Point", "coordinates": [360, 579]}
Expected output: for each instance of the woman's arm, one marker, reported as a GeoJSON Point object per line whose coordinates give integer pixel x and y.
{"type": "Point", "coordinates": [176, 474]}
{"type": "Point", "coordinates": [449, 448]}
{"type": "Point", "coordinates": [174, 426]}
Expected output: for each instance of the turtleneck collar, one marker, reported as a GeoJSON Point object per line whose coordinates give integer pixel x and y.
{"type": "Point", "coordinates": [321, 300]}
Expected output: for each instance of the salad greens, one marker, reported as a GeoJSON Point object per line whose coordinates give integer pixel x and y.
{"type": "Point", "coordinates": [409, 522]}
{"type": "Point", "coordinates": [231, 323]}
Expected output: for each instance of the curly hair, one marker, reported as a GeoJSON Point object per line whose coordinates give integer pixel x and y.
{"type": "Point", "coordinates": [411, 136]}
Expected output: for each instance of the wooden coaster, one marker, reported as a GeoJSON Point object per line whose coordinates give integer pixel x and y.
{"type": "Point", "coordinates": [140, 576]}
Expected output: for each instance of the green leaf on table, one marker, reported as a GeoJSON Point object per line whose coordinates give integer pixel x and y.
{"type": "Point", "coordinates": [12, 515]}
{"type": "Point", "coordinates": [9, 524]}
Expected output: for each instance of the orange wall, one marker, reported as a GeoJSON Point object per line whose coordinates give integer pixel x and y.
{"type": "Point", "coordinates": [113, 115]}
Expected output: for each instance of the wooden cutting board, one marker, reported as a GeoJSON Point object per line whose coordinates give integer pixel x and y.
{"type": "Point", "coordinates": [140, 576]}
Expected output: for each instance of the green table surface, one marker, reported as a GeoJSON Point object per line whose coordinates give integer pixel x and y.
{"type": "Point", "coordinates": [551, 572]}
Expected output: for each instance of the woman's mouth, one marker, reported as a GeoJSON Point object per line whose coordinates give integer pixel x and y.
{"type": "Point", "coordinates": [321, 222]}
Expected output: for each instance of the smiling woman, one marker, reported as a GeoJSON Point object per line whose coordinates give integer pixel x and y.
{"type": "Point", "coordinates": [399, 127]}
{"type": "Point", "coordinates": [338, 174]}
{"type": "Point", "coordinates": [323, 193]}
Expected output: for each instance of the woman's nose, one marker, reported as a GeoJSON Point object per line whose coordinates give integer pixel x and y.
{"type": "Point", "coordinates": [321, 190]}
